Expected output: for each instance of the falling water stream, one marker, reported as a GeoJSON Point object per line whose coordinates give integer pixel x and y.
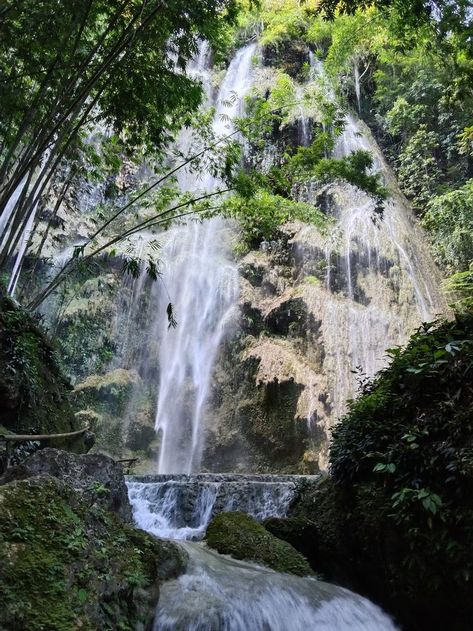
{"type": "Point", "coordinates": [202, 280]}
{"type": "Point", "coordinates": [377, 286]}
{"type": "Point", "coordinates": [380, 282]}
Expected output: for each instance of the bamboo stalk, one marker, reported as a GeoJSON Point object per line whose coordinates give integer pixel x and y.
{"type": "Point", "coordinates": [18, 438]}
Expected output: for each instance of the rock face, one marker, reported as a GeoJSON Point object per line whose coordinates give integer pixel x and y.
{"type": "Point", "coordinates": [97, 478]}
{"type": "Point", "coordinates": [33, 391]}
{"type": "Point", "coordinates": [119, 408]}
{"type": "Point", "coordinates": [67, 561]}
{"type": "Point", "coordinates": [274, 411]}
{"type": "Point", "coordinates": [289, 55]}
{"type": "Point", "coordinates": [244, 538]}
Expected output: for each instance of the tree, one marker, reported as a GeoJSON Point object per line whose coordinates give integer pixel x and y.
{"type": "Point", "coordinates": [115, 63]}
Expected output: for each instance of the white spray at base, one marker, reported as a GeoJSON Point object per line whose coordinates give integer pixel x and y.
{"type": "Point", "coordinates": [221, 594]}
{"type": "Point", "coordinates": [202, 280]}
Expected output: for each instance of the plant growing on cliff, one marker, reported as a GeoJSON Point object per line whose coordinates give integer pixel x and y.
{"type": "Point", "coordinates": [405, 447]}
{"type": "Point", "coordinates": [449, 219]}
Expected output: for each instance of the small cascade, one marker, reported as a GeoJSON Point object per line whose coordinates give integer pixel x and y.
{"type": "Point", "coordinates": [181, 506]}
{"type": "Point", "coordinates": [218, 593]}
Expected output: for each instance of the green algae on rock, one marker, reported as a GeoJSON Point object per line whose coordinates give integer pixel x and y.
{"type": "Point", "coordinates": [33, 391]}
{"type": "Point", "coordinates": [67, 565]}
{"type": "Point", "coordinates": [244, 538]}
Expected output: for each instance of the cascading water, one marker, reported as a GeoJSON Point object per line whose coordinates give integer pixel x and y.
{"type": "Point", "coordinates": [221, 594]}
{"type": "Point", "coordinates": [380, 283]}
{"type": "Point", "coordinates": [202, 281]}
{"type": "Point", "coordinates": [181, 506]}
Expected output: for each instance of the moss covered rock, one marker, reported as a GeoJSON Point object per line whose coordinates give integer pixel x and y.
{"type": "Point", "coordinates": [67, 565]}
{"type": "Point", "coordinates": [98, 478]}
{"type": "Point", "coordinates": [34, 395]}
{"type": "Point", "coordinates": [110, 392]}
{"type": "Point", "coordinates": [244, 538]}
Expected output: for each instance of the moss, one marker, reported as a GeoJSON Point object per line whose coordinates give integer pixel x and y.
{"type": "Point", "coordinates": [120, 410]}
{"type": "Point", "coordinates": [66, 565]}
{"type": "Point", "coordinates": [244, 538]}
{"type": "Point", "coordinates": [109, 392]}
{"type": "Point", "coordinates": [34, 394]}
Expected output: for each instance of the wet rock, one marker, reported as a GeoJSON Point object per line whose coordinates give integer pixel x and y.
{"type": "Point", "coordinates": [288, 317]}
{"type": "Point", "coordinates": [98, 479]}
{"type": "Point", "coordinates": [244, 538]}
{"type": "Point", "coordinates": [301, 533]}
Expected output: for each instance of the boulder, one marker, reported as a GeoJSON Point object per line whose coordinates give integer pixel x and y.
{"type": "Point", "coordinates": [244, 538]}
{"type": "Point", "coordinates": [65, 564]}
{"type": "Point", "coordinates": [98, 479]}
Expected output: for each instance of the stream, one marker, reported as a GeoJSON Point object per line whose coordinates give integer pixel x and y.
{"type": "Point", "coordinates": [218, 593]}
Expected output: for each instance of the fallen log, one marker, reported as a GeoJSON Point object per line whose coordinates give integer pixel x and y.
{"type": "Point", "coordinates": [20, 438]}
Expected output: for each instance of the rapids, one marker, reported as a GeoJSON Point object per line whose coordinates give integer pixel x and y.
{"type": "Point", "coordinates": [218, 593]}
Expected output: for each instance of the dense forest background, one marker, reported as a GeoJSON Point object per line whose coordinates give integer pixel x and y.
{"type": "Point", "coordinates": [94, 95]}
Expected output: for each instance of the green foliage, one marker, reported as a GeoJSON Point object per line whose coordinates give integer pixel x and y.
{"type": "Point", "coordinates": [418, 169]}
{"type": "Point", "coordinates": [449, 219]}
{"type": "Point", "coordinates": [33, 391]}
{"type": "Point", "coordinates": [143, 94]}
{"type": "Point", "coordinates": [407, 440]}
{"type": "Point", "coordinates": [460, 287]}
{"type": "Point", "coordinates": [282, 20]}
{"type": "Point", "coordinates": [261, 214]}
{"type": "Point", "coordinates": [244, 538]}
{"type": "Point", "coordinates": [63, 73]}
{"type": "Point", "coordinates": [354, 169]}
{"type": "Point", "coordinates": [403, 118]}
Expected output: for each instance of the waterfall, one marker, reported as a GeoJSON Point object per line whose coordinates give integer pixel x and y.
{"type": "Point", "coordinates": [218, 593]}
{"type": "Point", "coordinates": [380, 281]}
{"type": "Point", "coordinates": [202, 281]}
{"type": "Point", "coordinates": [181, 506]}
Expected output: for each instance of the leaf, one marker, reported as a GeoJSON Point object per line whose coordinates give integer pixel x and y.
{"type": "Point", "coordinates": [170, 314]}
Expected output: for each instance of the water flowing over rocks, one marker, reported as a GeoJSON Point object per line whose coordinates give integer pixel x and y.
{"type": "Point", "coordinates": [219, 593]}
{"type": "Point", "coordinates": [181, 506]}
{"type": "Point", "coordinates": [228, 595]}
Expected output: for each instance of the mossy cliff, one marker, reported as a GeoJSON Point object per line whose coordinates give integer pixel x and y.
{"type": "Point", "coordinates": [244, 538]}
{"type": "Point", "coordinates": [395, 520]}
{"type": "Point", "coordinates": [34, 395]}
{"type": "Point", "coordinates": [120, 409]}
{"type": "Point", "coordinates": [67, 562]}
